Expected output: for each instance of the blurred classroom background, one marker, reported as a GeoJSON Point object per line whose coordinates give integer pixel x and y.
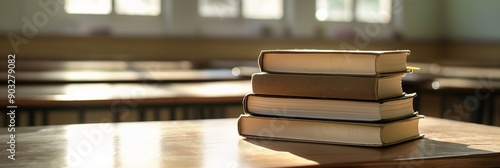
{"type": "Point", "coordinates": [88, 61]}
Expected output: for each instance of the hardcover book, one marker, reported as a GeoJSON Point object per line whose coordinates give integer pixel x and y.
{"type": "Point", "coordinates": [330, 132]}
{"type": "Point", "coordinates": [329, 109]}
{"type": "Point", "coordinates": [349, 62]}
{"type": "Point", "coordinates": [328, 86]}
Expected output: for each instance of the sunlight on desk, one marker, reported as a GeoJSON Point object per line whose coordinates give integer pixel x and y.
{"type": "Point", "coordinates": [216, 143]}
{"type": "Point", "coordinates": [213, 147]}
{"type": "Point", "coordinates": [102, 91]}
{"type": "Point", "coordinates": [211, 89]}
{"type": "Point", "coordinates": [106, 91]}
{"type": "Point", "coordinates": [139, 145]}
{"type": "Point", "coordinates": [86, 92]}
{"type": "Point", "coordinates": [92, 142]}
{"type": "Point", "coordinates": [154, 75]}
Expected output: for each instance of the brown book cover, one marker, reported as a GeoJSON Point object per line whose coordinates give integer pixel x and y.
{"type": "Point", "coordinates": [329, 132]}
{"type": "Point", "coordinates": [384, 110]}
{"type": "Point", "coordinates": [328, 86]}
{"type": "Point", "coordinates": [339, 62]}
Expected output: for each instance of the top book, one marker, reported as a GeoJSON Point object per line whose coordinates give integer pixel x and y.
{"type": "Point", "coordinates": [348, 62]}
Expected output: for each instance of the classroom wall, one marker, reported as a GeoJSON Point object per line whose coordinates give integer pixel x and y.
{"type": "Point", "coordinates": [178, 18]}
{"type": "Point", "coordinates": [472, 20]}
{"type": "Point", "coordinates": [429, 27]}
{"type": "Point", "coordinates": [422, 20]}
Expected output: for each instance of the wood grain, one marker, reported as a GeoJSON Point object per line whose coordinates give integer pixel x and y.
{"type": "Point", "coordinates": [215, 143]}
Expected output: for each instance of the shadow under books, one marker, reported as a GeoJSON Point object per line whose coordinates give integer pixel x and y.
{"type": "Point", "coordinates": [410, 151]}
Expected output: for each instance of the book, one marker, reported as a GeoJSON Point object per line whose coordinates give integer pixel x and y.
{"type": "Point", "coordinates": [330, 109]}
{"type": "Point", "coordinates": [350, 62]}
{"type": "Point", "coordinates": [328, 131]}
{"type": "Point", "coordinates": [328, 86]}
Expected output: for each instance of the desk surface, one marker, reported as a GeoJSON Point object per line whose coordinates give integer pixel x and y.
{"type": "Point", "coordinates": [215, 143]}
{"type": "Point", "coordinates": [42, 77]}
{"type": "Point", "coordinates": [82, 94]}
{"type": "Point", "coordinates": [54, 72]}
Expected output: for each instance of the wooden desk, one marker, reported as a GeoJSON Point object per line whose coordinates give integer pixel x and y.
{"type": "Point", "coordinates": [443, 88]}
{"type": "Point", "coordinates": [215, 143]}
{"type": "Point", "coordinates": [43, 77]}
{"type": "Point", "coordinates": [42, 72]}
{"type": "Point", "coordinates": [202, 99]}
{"type": "Point", "coordinates": [104, 94]}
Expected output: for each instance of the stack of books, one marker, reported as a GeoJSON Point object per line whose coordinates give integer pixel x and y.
{"type": "Point", "coordinates": [330, 96]}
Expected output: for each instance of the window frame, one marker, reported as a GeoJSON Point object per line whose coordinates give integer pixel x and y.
{"type": "Point", "coordinates": [113, 11]}
{"type": "Point", "coordinates": [355, 20]}
{"type": "Point", "coordinates": [240, 18]}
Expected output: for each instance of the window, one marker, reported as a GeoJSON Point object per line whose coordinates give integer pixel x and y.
{"type": "Point", "coordinates": [372, 11]}
{"type": "Point", "coordinates": [219, 8]}
{"type": "Point", "coordinates": [137, 7]}
{"type": "Point", "coordinates": [121, 7]}
{"type": "Point", "coordinates": [101, 7]}
{"type": "Point", "coordinates": [263, 9]}
{"type": "Point", "coordinates": [249, 9]}
{"type": "Point", "coordinates": [334, 10]}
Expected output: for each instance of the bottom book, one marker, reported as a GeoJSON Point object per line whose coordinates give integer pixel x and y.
{"type": "Point", "coordinates": [328, 131]}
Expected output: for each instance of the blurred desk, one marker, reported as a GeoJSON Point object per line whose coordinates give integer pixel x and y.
{"type": "Point", "coordinates": [49, 72]}
{"type": "Point", "coordinates": [120, 97]}
{"type": "Point", "coordinates": [462, 93]}
{"type": "Point", "coordinates": [95, 94]}
{"type": "Point", "coordinates": [127, 76]}
{"type": "Point", "coordinates": [48, 90]}
{"type": "Point", "coordinates": [215, 143]}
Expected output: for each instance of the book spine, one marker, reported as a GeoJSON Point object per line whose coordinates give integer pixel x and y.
{"type": "Point", "coordinates": [245, 103]}
{"type": "Point", "coordinates": [260, 61]}
{"type": "Point", "coordinates": [318, 86]}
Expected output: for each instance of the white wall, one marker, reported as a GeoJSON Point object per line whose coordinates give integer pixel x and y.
{"type": "Point", "coordinates": [10, 12]}
{"type": "Point", "coordinates": [421, 20]}
{"type": "Point", "coordinates": [473, 20]}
